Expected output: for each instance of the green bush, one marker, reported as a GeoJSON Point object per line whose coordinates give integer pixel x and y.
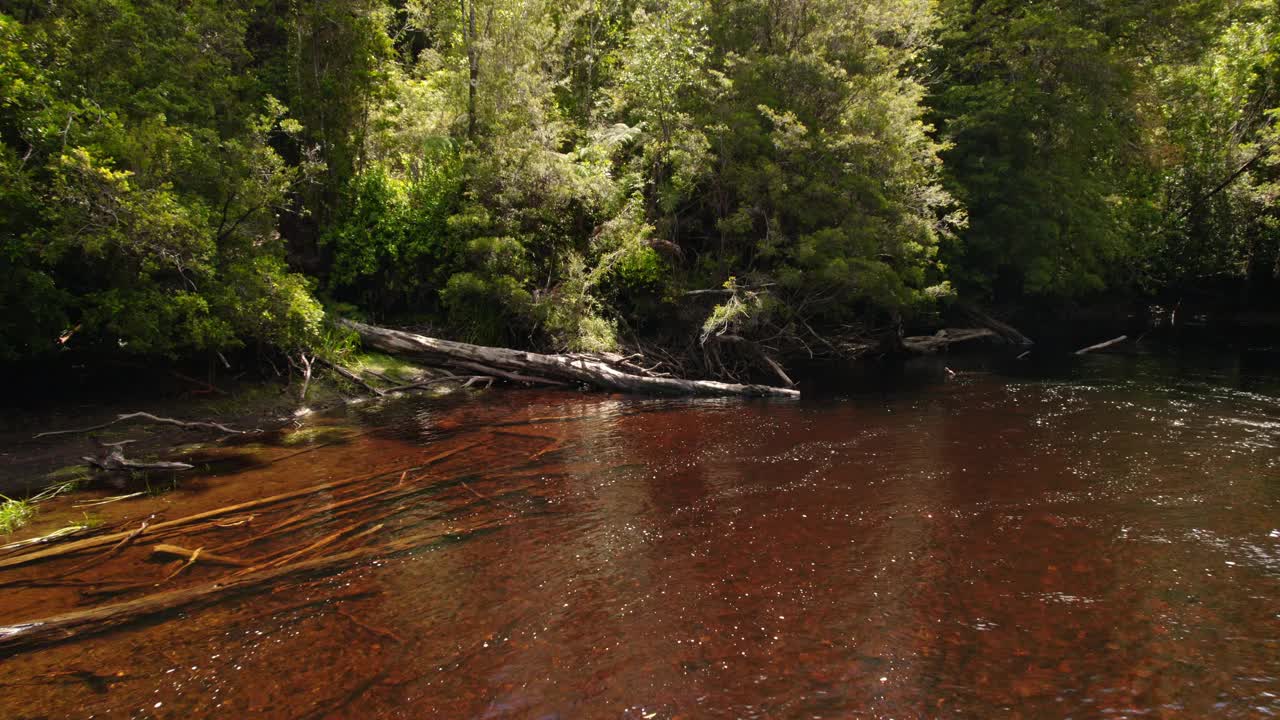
{"type": "Point", "coordinates": [392, 247]}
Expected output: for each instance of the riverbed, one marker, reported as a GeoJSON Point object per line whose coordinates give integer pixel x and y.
{"type": "Point", "coordinates": [1096, 539]}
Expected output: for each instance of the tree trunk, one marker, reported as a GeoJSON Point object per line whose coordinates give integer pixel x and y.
{"type": "Point", "coordinates": [926, 344]}
{"type": "Point", "coordinates": [573, 369]}
{"type": "Point", "coordinates": [473, 70]}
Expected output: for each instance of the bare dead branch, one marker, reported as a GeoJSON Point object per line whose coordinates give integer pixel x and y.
{"type": "Point", "coordinates": [189, 425]}
{"type": "Point", "coordinates": [1102, 345]}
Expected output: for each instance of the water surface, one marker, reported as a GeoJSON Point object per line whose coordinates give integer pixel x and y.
{"type": "Point", "coordinates": [1103, 543]}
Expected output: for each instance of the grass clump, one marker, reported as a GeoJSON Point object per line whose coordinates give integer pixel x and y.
{"type": "Point", "coordinates": [313, 435]}
{"type": "Point", "coordinates": [384, 364]}
{"type": "Point", "coordinates": [63, 480]}
{"type": "Point", "coordinates": [14, 514]}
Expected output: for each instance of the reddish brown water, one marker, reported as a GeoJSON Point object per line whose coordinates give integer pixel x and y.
{"type": "Point", "coordinates": [1101, 545]}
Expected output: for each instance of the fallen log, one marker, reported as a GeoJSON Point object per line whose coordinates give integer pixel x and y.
{"type": "Point", "coordinates": [115, 550]}
{"type": "Point", "coordinates": [925, 344]}
{"type": "Point", "coordinates": [505, 375]}
{"type": "Point", "coordinates": [115, 461]}
{"type": "Point", "coordinates": [560, 368]}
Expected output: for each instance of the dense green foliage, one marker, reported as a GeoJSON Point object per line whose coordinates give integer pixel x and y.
{"type": "Point", "coordinates": [178, 178]}
{"type": "Point", "coordinates": [142, 189]}
{"type": "Point", "coordinates": [1089, 142]}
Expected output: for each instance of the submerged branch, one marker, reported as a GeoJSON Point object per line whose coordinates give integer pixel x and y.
{"type": "Point", "coordinates": [80, 623]}
{"type": "Point", "coordinates": [190, 520]}
{"type": "Point", "coordinates": [192, 555]}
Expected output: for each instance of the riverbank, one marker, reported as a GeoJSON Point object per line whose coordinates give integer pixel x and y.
{"type": "Point", "coordinates": [29, 465]}
{"type": "Point", "coordinates": [58, 418]}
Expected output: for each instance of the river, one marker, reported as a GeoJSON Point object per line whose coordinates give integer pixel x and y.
{"type": "Point", "coordinates": [1096, 539]}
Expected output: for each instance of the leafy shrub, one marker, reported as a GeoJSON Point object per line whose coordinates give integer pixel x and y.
{"type": "Point", "coordinates": [489, 310]}
{"type": "Point", "coordinates": [392, 246]}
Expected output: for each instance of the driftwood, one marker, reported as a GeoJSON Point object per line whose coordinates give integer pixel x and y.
{"type": "Point", "coordinates": [1007, 332]}
{"type": "Point", "coordinates": [192, 555]}
{"type": "Point", "coordinates": [115, 461]}
{"type": "Point", "coordinates": [79, 623]}
{"type": "Point", "coordinates": [925, 344]}
{"type": "Point", "coordinates": [539, 367]}
{"type": "Point", "coordinates": [188, 521]}
{"type": "Point", "coordinates": [154, 419]}
{"type": "Point", "coordinates": [1101, 345]}
{"type": "Point", "coordinates": [115, 550]}
{"type": "Point", "coordinates": [292, 554]}
{"type": "Point", "coordinates": [466, 380]}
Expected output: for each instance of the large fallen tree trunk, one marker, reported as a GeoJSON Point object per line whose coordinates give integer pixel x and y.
{"type": "Point", "coordinates": [536, 366]}
{"type": "Point", "coordinates": [925, 344]}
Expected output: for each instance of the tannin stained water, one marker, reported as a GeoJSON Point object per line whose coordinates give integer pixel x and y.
{"type": "Point", "coordinates": [1105, 544]}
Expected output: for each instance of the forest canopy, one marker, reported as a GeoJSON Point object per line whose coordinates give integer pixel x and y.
{"type": "Point", "coordinates": [211, 176]}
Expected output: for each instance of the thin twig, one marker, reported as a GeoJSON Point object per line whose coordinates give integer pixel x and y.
{"type": "Point", "coordinates": [1102, 345]}
{"type": "Point", "coordinates": [473, 491]}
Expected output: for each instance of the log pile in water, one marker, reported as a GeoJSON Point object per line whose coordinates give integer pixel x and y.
{"type": "Point", "coordinates": [537, 368]}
